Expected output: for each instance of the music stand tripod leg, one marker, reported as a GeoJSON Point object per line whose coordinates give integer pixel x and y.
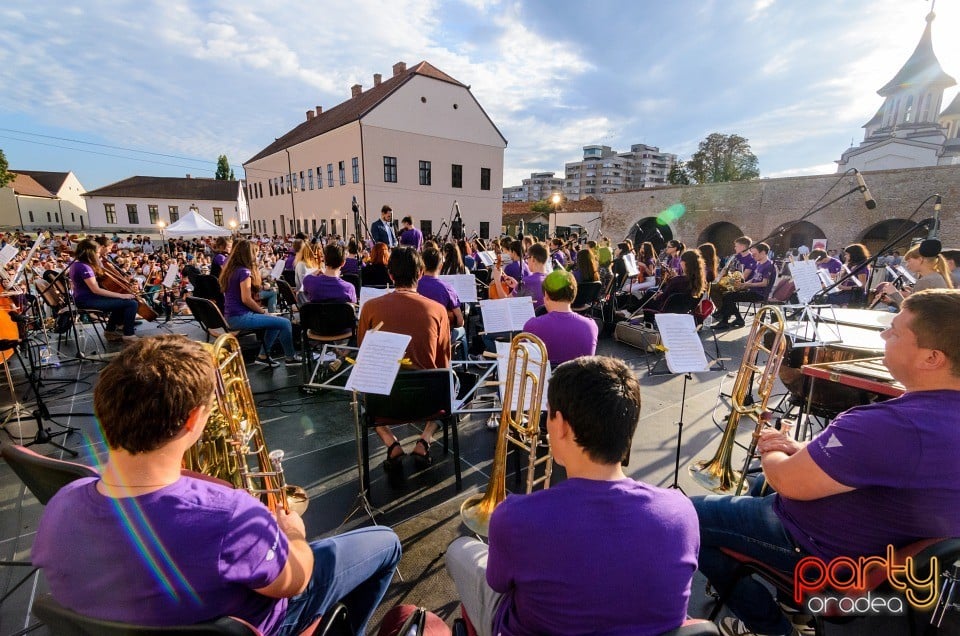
{"type": "Point", "coordinates": [676, 465]}
{"type": "Point", "coordinates": [361, 502]}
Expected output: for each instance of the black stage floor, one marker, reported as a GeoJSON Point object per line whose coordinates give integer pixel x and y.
{"type": "Point", "coordinates": [317, 433]}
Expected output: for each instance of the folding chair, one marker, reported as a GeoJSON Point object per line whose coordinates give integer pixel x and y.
{"type": "Point", "coordinates": [325, 323]}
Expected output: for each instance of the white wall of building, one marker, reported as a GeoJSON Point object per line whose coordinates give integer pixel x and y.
{"type": "Point", "coordinates": [893, 155]}
{"type": "Point", "coordinates": [96, 208]}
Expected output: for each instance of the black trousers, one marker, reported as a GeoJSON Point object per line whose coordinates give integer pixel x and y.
{"type": "Point", "coordinates": [729, 306]}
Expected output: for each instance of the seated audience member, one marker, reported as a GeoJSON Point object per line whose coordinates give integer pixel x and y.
{"type": "Point", "coordinates": [879, 475]}
{"type": "Point", "coordinates": [144, 544]}
{"type": "Point", "coordinates": [566, 334]}
{"type": "Point", "coordinates": [557, 562]}
{"type": "Point", "coordinates": [432, 287]}
{"type": "Point", "coordinates": [752, 290]}
{"type": "Point", "coordinates": [326, 284]}
{"type": "Point", "coordinates": [425, 321]}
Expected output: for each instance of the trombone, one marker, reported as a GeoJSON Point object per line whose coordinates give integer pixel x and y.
{"type": "Point", "coordinates": [519, 425]}
{"type": "Point", "coordinates": [717, 473]}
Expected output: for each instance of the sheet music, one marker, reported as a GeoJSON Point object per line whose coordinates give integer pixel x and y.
{"type": "Point", "coordinates": [171, 278]}
{"type": "Point", "coordinates": [630, 262]}
{"type": "Point", "coordinates": [506, 314]}
{"type": "Point", "coordinates": [369, 293]}
{"type": "Point", "coordinates": [807, 280]}
{"type": "Point", "coordinates": [7, 254]}
{"type": "Point", "coordinates": [684, 350]}
{"type": "Point", "coordinates": [503, 358]}
{"type": "Point", "coordinates": [907, 276]}
{"type": "Point", "coordinates": [488, 258]}
{"type": "Point", "coordinates": [378, 362]}
{"type": "Point", "coordinates": [277, 272]}
{"type": "Point", "coordinates": [464, 284]}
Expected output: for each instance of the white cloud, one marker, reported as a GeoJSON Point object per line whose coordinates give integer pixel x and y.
{"type": "Point", "coordinates": [823, 168]}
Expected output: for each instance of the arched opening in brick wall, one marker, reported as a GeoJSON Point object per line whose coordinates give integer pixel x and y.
{"type": "Point", "coordinates": [650, 229]}
{"type": "Point", "coordinates": [803, 233]}
{"type": "Point", "coordinates": [722, 235]}
{"type": "Point", "coordinates": [878, 235]}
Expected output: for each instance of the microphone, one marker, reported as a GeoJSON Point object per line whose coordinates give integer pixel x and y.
{"type": "Point", "coordinates": [456, 206]}
{"type": "Point", "coordinates": [867, 199]}
{"type": "Point", "coordinates": [932, 246]}
{"type": "Point", "coordinates": [354, 206]}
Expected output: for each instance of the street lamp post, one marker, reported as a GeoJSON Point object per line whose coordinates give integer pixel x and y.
{"type": "Point", "coordinates": [163, 243]}
{"type": "Point", "coordinates": [555, 199]}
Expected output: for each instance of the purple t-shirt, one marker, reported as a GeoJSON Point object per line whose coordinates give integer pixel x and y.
{"type": "Point", "coordinates": [232, 300]}
{"type": "Point", "coordinates": [743, 262]}
{"type": "Point", "coordinates": [351, 265]}
{"type": "Point", "coordinates": [187, 553]}
{"type": "Point", "coordinates": [567, 335]}
{"type": "Point", "coordinates": [516, 270]}
{"type": "Point", "coordinates": [832, 265]}
{"type": "Point", "coordinates": [559, 258]}
{"type": "Point", "coordinates": [320, 287]}
{"type": "Point", "coordinates": [901, 456]}
{"type": "Point", "coordinates": [219, 259]}
{"type": "Point", "coordinates": [412, 237]}
{"type": "Point", "coordinates": [439, 291]}
{"type": "Point", "coordinates": [766, 270]}
{"type": "Point", "coordinates": [532, 286]}
{"type": "Point", "coordinates": [609, 557]}
{"type": "Point", "coordinates": [79, 273]}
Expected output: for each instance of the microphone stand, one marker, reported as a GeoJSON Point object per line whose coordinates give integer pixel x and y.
{"type": "Point", "coordinates": [927, 223]}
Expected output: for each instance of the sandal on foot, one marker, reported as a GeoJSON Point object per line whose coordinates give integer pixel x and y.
{"type": "Point", "coordinates": [393, 463]}
{"type": "Point", "coordinates": [423, 460]}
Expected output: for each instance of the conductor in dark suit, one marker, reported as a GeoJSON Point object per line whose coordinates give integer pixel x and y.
{"type": "Point", "coordinates": [382, 230]}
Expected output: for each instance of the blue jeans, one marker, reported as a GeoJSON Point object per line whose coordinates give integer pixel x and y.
{"type": "Point", "coordinates": [460, 333]}
{"type": "Point", "coordinates": [275, 326]}
{"type": "Point", "coordinates": [750, 526]}
{"type": "Point", "coordinates": [123, 311]}
{"type": "Point", "coordinates": [268, 297]}
{"type": "Point", "coordinates": [354, 568]}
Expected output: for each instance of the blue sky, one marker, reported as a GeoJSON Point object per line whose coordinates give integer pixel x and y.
{"type": "Point", "coordinates": [192, 79]}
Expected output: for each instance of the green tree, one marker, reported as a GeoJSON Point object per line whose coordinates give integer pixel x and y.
{"type": "Point", "coordinates": [678, 174]}
{"type": "Point", "coordinates": [543, 206]}
{"type": "Point", "coordinates": [723, 158]}
{"type": "Point", "coordinates": [5, 175]}
{"type": "Point", "coordinates": [224, 171]}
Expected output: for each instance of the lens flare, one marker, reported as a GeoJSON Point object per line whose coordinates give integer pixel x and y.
{"type": "Point", "coordinates": [671, 214]}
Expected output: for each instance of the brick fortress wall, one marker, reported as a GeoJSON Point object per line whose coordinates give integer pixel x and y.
{"type": "Point", "coordinates": [757, 208]}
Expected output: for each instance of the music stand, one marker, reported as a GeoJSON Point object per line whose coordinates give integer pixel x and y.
{"type": "Point", "coordinates": [676, 465]}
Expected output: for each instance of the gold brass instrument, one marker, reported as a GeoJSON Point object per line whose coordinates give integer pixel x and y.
{"type": "Point", "coordinates": [233, 434]}
{"type": "Point", "coordinates": [730, 281]}
{"type": "Point", "coordinates": [519, 425]}
{"type": "Point", "coordinates": [717, 473]}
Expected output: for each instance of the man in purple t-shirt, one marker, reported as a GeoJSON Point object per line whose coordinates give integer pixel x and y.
{"type": "Point", "coordinates": [327, 286]}
{"type": "Point", "coordinates": [565, 333]}
{"type": "Point", "coordinates": [145, 544]}
{"type": "Point", "coordinates": [410, 235]}
{"type": "Point", "coordinates": [753, 290]}
{"type": "Point", "coordinates": [561, 561]}
{"type": "Point", "coordinates": [431, 286]}
{"type": "Point", "coordinates": [827, 262]}
{"type": "Point", "coordinates": [879, 475]}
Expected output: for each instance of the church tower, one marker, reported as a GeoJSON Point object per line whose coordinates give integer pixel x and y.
{"type": "Point", "coordinates": [908, 131]}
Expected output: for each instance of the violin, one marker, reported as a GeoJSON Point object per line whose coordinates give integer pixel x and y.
{"type": "Point", "coordinates": [503, 290]}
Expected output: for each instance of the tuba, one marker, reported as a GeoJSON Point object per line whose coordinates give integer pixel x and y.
{"type": "Point", "coordinates": [233, 434]}
{"type": "Point", "coordinates": [519, 425]}
{"type": "Point", "coordinates": [717, 473]}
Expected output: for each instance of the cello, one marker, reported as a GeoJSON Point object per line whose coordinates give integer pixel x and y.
{"type": "Point", "coordinates": [114, 281]}
{"type": "Point", "coordinates": [504, 289]}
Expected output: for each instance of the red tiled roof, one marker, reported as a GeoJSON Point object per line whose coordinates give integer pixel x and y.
{"type": "Point", "coordinates": [27, 186]}
{"type": "Point", "coordinates": [169, 188]}
{"type": "Point", "coordinates": [52, 181]}
{"type": "Point", "coordinates": [354, 108]}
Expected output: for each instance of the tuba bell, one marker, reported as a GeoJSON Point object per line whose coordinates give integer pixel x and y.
{"type": "Point", "coordinates": [717, 473]}
{"type": "Point", "coordinates": [519, 425]}
{"type": "Point", "coordinates": [233, 438]}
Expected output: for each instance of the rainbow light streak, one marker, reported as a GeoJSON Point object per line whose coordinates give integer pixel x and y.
{"type": "Point", "coordinates": [671, 214]}
{"type": "Point", "coordinates": [158, 560]}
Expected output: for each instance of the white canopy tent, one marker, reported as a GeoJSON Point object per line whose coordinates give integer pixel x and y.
{"type": "Point", "coordinates": [192, 224]}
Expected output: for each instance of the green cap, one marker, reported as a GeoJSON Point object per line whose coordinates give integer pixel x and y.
{"type": "Point", "coordinates": [557, 280]}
